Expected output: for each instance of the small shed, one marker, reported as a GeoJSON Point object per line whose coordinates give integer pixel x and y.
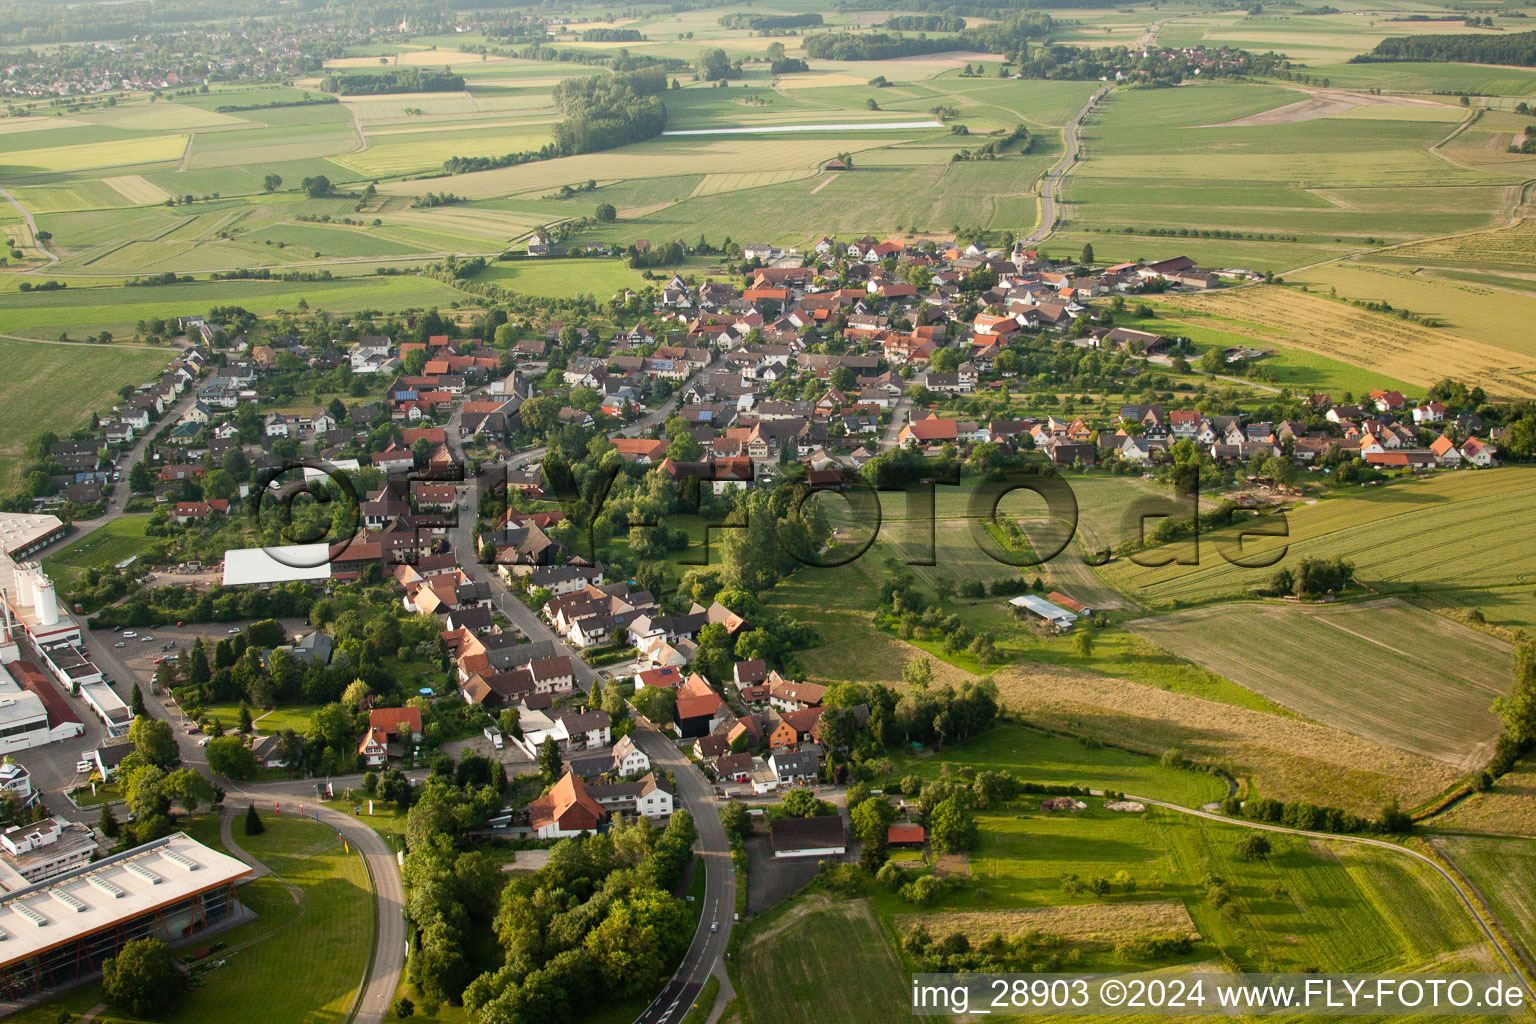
{"type": "Point", "coordinates": [1056, 617]}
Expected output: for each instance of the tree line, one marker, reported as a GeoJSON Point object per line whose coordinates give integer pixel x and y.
{"type": "Point", "coordinates": [1010, 36]}
{"type": "Point", "coordinates": [598, 113]}
{"type": "Point", "coordinates": [401, 80]}
{"type": "Point", "coordinates": [770, 22]}
{"type": "Point", "coordinates": [1518, 48]}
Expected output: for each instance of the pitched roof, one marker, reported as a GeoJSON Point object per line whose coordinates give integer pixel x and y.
{"type": "Point", "coordinates": [394, 720]}
{"type": "Point", "coordinates": [567, 804]}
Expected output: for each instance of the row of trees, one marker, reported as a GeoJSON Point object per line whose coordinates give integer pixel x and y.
{"type": "Point", "coordinates": [397, 80]}
{"type": "Point", "coordinates": [1516, 48]}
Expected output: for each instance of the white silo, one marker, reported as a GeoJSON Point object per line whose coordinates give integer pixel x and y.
{"type": "Point", "coordinates": [47, 605]}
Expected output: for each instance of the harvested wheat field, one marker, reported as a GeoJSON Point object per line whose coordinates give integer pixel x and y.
{"type": "Point", "coordinates": [1376, 341]}
{"type": "Point", "coordinates": [1288, 758]}
{"type": "Point", "coordinates": [1416, 681]}
{"type": "Point", "coordinates": [1098, 924]}
{"type": "Point", "coordinates": [1326, 104]}
{"type": "Point", "coordinates": [137, 189]}
{"type": "Point", "coordinates": [1513, 246]}
{"type": "Point", "coordinates": [1508, 809]}
{"type": "Point", "coordinates": [655, 159]}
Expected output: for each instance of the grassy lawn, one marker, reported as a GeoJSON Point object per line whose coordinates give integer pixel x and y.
{"type": "Point", "coordinates": [304, 953]}
{"type": "Point", "coordinates": [295, 717]}
{"type": "Point", "coordinates": [115, 541]}
{"type": "Point", "coordinates": [1308, 905]}
{"type": "Point", "coordinates": [1033, 755]}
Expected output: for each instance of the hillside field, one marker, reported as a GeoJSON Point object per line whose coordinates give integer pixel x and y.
{"type": "Point", "coordinates": [1434, 535]}
{"type": "Point", "coordinates": [1377, 341]}
{"type": "Point", "coordinates": [1384, 670]}
{"type": "Point", "coordinates": [1311, 904]}
{"type": "Point", "coordinates": [56, 387]}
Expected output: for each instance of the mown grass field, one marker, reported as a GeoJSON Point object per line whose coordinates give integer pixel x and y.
{"type": "Point", "coordinates": [1508, 809]}
{"type": "Point", "coordinates": [56, 387]}
{"type": "Point", "coordinates": [802, 966]}
{"type": "Point", "coordinates": [1310, 905]}
{"type": "Point", "coordinates": [304, 952]}
{"type": "Point", "coordinates": [1401, 676]}
{"type": "Point", "coordinates": [1336, 330]}
{"type": "Point", "coordinates": [1383, 530]}
{"type": "Point", "coordinates": [113, 542]}
{"type": "Point", "coordinates": [1513, 247]}
{"type": "Point", "coordinates": [1467, 309]}
{"type": "Point", "coordinates": [1033, 755]}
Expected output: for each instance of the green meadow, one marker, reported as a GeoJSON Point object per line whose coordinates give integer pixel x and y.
{"type": "Point", "coordinates": [56, 386]}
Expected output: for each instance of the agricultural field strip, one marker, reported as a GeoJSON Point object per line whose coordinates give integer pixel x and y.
{"type": "Point", "coordinates": [1407, 351]}
{"type": "Point", "coordinates": [1382, 533]}
{"type": "Point", "coordinates": [1465, 900]}
{"type": "Point", "coordinates": [1421, 682]}
{"type": "Point", "coordinates": [646, 160]}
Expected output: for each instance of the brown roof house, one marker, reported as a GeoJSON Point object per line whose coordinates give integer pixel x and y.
{"type": "Point", "coordinates": [386, 726]}
{"type": "Point", "coordinates": [566, 810]}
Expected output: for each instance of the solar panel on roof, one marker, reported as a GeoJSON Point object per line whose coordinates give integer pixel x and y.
{"type": "Point", "coordinates": [177, 858]}
{"type": "Point", "coordinates": [110, 888]}
{"type": "Point", "coordinates": [69, 900]}
{"type": "Point", "coordinates": [30, 914]}
{"type": "Point", "coordinates": [143, 872]}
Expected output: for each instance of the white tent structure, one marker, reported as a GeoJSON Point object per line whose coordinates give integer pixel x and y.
{"type": "Point", "coordinates": [283, 563]}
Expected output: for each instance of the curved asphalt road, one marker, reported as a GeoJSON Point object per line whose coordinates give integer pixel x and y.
{"type": "Point", "coordinates": [1050, 185]}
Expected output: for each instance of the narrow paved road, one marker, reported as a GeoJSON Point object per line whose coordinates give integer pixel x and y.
{"type": "Point", "coordinates": [120, 492]}
{"type": "Point", "coordinates": [26, 216]}
{"type": "Point", "coordinates": [461, 540]}
{"type": "Point", "coordinates": [899, 413]}
{"type": "Point", "coordinates": [1050, 185]}
{"type": "Point", "coordinates": [706, 954]}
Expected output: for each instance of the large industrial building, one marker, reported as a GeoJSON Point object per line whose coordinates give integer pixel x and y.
{"type": "Point", "coordinates": [28, 592]}
{"type": "Point", "coordinates": [58, 931]}
{"type": "Point", "coordinates": [32, 613]}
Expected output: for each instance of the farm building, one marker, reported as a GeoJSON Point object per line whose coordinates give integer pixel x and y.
{"type": "Point", "coordinates": [1059, 619]}
{"type": "Point", "coordinates": [1071, 604]}
{"type": "Point", "coordinates": [807, 837]}
{"type": "Point", "coordinates": [60, 930]}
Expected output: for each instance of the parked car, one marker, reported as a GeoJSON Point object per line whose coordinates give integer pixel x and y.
{"type": "Point", "coordinates": [120, 644]}
{"type": "Point", "coordinates": [129, 634]}
{"type": "Point", "coordinates": [232, 632]}
{"type": "Point", "coordinates": [146, 639]}
{"type": "Point", "coordinates": [85, 766]}
{"type": "Point", "coordinates": [180, 624]}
